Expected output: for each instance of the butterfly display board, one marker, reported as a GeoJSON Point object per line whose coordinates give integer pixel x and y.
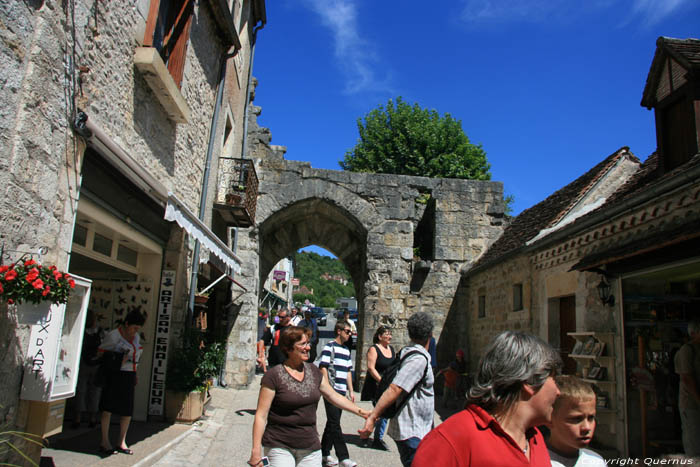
{"type": "Point", "coordinates": [113, 300]}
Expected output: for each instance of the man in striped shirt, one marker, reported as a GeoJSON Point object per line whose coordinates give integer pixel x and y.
{"type": "Point", "coordinates": [337, 367]}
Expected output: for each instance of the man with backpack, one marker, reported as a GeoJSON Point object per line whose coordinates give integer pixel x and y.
{"type": "Point", "coordinates": [271, 337]}
{"type": "Point", "coordinates": [410, 392]}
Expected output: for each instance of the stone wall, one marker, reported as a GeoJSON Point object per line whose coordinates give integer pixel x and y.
{"type": "Point", "coordinates": [369, 222]}
{"type": "Point", "coordinates": [58, 57]}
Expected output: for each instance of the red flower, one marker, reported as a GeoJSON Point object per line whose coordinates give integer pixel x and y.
{"type": "Point", "coordinates": [10, 301]}
{"type": "Point", "coordinates": [38, 284]}
{"type": "Point", "coordinates": [30, 262]}
{"type": "Point", "coordinates": [46, 291]}
{"type": "Point", "coordinates": [4, 269]}
{"type": "Point", "coordinates": [67, 276]}
{"type": "Point", "coordinates": [32, 274]}
{"type": "Point", "coordinates": [57, 275]}
{"type": "Point", "coordinates": [1, 289]}
{"type": "Point", "coordinates": [71, 282]}
{"type": "Point", "coordinates": [52, 268]}
{"type": "Point", "coordinates": [11, 275]}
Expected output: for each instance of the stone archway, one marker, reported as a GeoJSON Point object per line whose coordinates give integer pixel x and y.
{"type": "Point", "coordinates": [374, 224]}
{"type": "Point", "coordinates": [314, 221]}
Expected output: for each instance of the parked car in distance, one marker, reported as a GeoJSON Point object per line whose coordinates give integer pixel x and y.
{"type": "Point", "coordinates": [320, 315]}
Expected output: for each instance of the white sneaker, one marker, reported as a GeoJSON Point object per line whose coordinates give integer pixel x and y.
{"type": "Point", "coordinates": [348, 463]}
{"type": "Point", "coordinates": [329, 461]}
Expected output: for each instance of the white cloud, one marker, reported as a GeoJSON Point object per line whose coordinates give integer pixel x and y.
{"type": "Point", "coordinates": [647, 12]}
{"type": "Point", "coordinates": [653, 11]}
{"type": "Point", "coordinates": [354, 54]}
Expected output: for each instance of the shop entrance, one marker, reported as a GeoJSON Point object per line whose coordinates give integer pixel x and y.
{"type": "Point", "coordinates": [657, 305]}
{"type": "Point", "coordinates": [124, 266]}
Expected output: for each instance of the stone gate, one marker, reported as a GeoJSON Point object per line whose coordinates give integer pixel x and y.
{"type": "Point", "coordinates": [403, 239]}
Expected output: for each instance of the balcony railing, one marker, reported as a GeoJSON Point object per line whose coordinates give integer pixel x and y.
{"type": "Point", "coordinates": [238, 191]}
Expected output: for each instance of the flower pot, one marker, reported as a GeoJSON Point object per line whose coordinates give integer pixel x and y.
{"type": "Point", "coordinates": [201, 299]}
{"type": "Point", "coordinates": [184, 407]}
{"type": "Point", "coordinates": [32, 313]}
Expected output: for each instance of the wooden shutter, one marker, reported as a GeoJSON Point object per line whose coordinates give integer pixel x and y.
{"type": "Point", "coordinates": [174, 21]}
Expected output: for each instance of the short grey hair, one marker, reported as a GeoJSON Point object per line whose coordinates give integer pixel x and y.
{"type": "Point", "coordinates": [420, 327]}
{"type": "Point", "coordinates": [511, 360]}
{"type": "Point", "coordinates": [693, 326]}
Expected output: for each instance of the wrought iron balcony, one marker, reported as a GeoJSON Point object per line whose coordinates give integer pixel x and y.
{"type": "Point", "coordinates": [237, 195]}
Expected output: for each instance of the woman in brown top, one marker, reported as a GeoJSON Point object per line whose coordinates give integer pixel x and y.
{"type": "Point", "coordinates": [285, 419]}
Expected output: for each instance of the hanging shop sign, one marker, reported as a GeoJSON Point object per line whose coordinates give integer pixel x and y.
{"type": "Point", "coordinates": [156, 398]}
{"type": "Point", "coordinates": [279, 275]}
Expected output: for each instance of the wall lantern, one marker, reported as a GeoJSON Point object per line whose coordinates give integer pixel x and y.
{"type": "Point", "coordinates": [605, 292]}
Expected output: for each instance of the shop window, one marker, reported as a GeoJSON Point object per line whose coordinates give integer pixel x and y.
{"type": "Point", "coordinates": [102, 244]}
{"type": "Point", "coordinates": [80, 235]}
{"type": "Point", "coordinates": [168, 30]}
{"type": "Point", "coordinates": [127, 255]}
{"type": "Point", "coordinates": [482, 306]}
{"type": "Point", "coordinates": [517, 297]}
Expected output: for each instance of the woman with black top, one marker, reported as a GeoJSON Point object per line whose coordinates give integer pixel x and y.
{"type": "Point", "coordinates": [379, 357]}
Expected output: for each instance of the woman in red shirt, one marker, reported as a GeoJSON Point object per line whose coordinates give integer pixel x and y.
{"type": "Point", "coordinates": [514, 392]}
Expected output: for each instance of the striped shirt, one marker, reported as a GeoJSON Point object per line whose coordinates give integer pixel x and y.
{"type": "Point", "coordinates": [341, 365]}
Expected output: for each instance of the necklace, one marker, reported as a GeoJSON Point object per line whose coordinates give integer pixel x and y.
{"type": "Point", "coordinates": [525, 448]}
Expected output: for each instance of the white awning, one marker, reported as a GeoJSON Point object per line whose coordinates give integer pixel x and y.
{"type": "Point", "coordinates": [178, 212]}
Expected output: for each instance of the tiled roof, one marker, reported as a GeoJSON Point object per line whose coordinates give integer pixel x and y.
{"type": "Point", "coordinates": [684, 51]}
{"type": "Point", "coordinates": [546, 213]}
{"type": "Point", "coordinates": [646, 178]}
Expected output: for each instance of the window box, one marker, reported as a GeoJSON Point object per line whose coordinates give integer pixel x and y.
{"type": "Point", "coordinates": [156, 74]}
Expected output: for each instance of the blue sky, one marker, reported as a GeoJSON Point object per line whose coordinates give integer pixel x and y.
{"type": "Point", "coordinates": [548, 87]}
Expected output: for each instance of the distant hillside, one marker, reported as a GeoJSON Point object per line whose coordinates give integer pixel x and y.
{"type": "Point", "coordinates": [309, 267]}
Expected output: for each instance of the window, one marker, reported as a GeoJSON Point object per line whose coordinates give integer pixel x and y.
{"type": "Point", "coordinates": [168, 30]}
{"type": "Point", "coordinates": [517, 297]}
{"type": "Point", "coordinates": [482, 306]}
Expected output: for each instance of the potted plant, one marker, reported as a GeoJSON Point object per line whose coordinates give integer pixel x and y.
{"type": "Point", "coordinates": [201, 298]}
{"type": "Point", "coordinates": [32, 288]}
{"type": "Point", "coordinates": [190, 370]}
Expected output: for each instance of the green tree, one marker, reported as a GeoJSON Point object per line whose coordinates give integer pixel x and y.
{"type": "Point", "coordinates": [409, 140]}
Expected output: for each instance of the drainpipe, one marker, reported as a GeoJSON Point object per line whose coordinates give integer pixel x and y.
{"type": "Point", "coordinates": [244, 148]}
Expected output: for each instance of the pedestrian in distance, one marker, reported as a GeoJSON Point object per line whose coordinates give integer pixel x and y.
{"type": "Point", "coordinates": [454, 376]}
{"type": "Point", "coordinates": [514, 392]}
{"type": "Point", "coordinates": [379, 357]}
{"type": "Point", "coordinates": [88, 390]}
{"type": "Point", "coordinates": [271, 337]}
{"type": "Point", "coordinates": [336, 366]}
{"type": "Point", "coordinates": [120, 383]}
{"type": "Point", "coordinates": [284, 429]}
{"type": "Point", "coordinates": [413, 383]}
{"type": "Point", "coordinates": [261, 360]}
{"type": "Point", "coordinates": [295, 317]}
{"type": "Point", "coordinates": [573, 425]}
{"type": "Point", "coordinates": [687, 366]}
{"type": "Point", "coordinates": [310, 322]}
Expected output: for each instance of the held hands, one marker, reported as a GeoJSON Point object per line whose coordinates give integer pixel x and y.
{"type": "Point", "coordinates": [363, 413]}
{"type": "Point", "coordinates": [367, 430]}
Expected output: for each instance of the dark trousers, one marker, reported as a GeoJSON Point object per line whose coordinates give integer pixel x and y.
{"type": "Point", "coordinates": [333, 434]}
{"type": "Point", "coordinates": [407, 449]}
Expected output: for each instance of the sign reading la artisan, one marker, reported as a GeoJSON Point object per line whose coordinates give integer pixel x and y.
{"type": "Point", "coordinates": [156, 397]}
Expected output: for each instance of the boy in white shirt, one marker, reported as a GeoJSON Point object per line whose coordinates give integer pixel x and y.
{"type": "Point", "coordinates": [573, 425]}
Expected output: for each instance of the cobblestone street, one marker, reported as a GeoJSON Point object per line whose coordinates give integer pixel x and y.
{"type": "Point", "coordinates": [221, 438]}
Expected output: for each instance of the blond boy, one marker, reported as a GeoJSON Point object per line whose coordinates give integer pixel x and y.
{"type": "Point", "coordinates": [573, 425]}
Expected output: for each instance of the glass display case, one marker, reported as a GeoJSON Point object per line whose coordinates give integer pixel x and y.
{"type": "Point", "coordinates": [53, 357]}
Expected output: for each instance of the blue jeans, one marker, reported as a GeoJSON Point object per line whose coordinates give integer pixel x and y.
{"type": "Point", "coordinates": [407, 449]}
{"type": "Point", "coordinates": [380, 428]}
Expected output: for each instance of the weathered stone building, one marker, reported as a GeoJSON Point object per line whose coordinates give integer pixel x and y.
{"type": "Point", "coordinates": [611, 259]}
{"type": "Point", "coordinates": [115, 114]}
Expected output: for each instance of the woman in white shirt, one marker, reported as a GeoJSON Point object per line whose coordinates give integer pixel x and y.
{"type": "Point", "coordinates": [123, 343]}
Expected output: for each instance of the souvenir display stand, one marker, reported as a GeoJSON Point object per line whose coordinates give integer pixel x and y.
{"type": "Point", "coordinates": [53, 358]}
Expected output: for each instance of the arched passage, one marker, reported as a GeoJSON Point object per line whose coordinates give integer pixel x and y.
{"type": "Point", "coordinates": [315, 221]}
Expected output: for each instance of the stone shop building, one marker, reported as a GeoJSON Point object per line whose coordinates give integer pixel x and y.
{"type": "Point", "coordinates": [123, 129]}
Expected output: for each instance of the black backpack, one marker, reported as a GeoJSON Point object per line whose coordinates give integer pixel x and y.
{"type": "Point", "coordinates": [388, 376]}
